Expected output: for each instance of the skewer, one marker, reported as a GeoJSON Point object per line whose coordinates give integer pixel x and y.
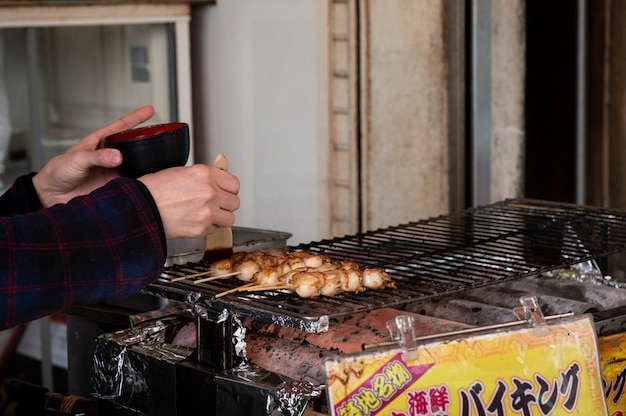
{"type": "Point", "coordinates": [260, 288]}
{"type": "Point", "coordinates": [235, 289]}
{"type": "Point", "coordinates": [219, 276]}
{"type": "Point", "coordinates": [307, 274]}
{"type": "Point", "coordinates": [191, 276]}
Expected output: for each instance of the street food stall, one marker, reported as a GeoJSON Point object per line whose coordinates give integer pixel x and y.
{"type": "Point", "coordinates": [508, 297]}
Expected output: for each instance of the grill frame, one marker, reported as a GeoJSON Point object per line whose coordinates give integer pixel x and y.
{"type": "Point", "coordinates": [433, 257]}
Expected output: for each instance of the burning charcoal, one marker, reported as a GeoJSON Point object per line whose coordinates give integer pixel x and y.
{"type": "Point", "coordinates": [293, 359]}
{"type": "Point", "coordinates": [301, 355]}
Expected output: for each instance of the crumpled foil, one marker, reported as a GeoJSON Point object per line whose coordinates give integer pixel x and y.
{"type": "Point", "coordinates": [292, 398]}
{"type": "Point", "coordinates": [239, 337]}
{"type": "Point", "coordinates": [251, 372]}
{"type": "Point", "coordinates": [193, 299]}
{"type": "Point", "coordinates": [164, 352]}
{"type": "Point", "coordinates": [584, 272]}
{"type": "Point", "coordinates": [223, 316]}
{"type": "Point", "coordinates": [153, 332]}
{"type": "Point", "coordinates": [117, 370]}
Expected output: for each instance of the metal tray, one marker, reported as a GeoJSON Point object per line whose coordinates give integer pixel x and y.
{"type": "Point", "coordinates": [191, 250]}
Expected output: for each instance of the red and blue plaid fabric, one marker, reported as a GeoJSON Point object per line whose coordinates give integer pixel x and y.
{"type": "Point", "coordinates": [105, 245]}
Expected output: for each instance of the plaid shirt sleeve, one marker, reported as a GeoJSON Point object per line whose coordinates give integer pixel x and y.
{"type": "Point", "coordinates": [105, 245]}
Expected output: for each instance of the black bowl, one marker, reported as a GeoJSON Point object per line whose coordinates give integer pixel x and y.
{"type": "Point", "coordinates": [151, 149]}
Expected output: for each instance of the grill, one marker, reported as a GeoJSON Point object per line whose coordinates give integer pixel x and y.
{"type": "Point", "coordinates": [430, 258]}
{"type": "Point", "coordinates": [454, 273]}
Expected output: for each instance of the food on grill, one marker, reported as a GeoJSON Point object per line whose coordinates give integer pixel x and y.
{"type": "Point", "coordinates": [308, 274]}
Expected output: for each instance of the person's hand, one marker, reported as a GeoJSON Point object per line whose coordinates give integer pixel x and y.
{"type": "Point", "coordinates": [85, 166]}
{"type": "Point", "coordinates": [194, 201]}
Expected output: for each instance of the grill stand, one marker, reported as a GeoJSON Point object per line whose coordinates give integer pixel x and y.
{"type": "Point", "coordinates": [447, 255]}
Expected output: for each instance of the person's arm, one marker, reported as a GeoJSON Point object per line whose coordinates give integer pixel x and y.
{"type": "Point", "coordinates": [108, 244]}
{"type": "Point", "coordinates": [67, 241]}
{"type": "Point", "coordinates": [20, 198]}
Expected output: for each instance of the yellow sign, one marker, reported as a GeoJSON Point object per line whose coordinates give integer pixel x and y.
{"type": "Point", "coordinates": [613, 366]}
{"type": "Point", "coordinates": [552, 369]}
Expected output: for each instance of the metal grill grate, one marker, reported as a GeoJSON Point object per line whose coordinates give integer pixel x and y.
{"type": "Point", "coordinates": [433, 257]}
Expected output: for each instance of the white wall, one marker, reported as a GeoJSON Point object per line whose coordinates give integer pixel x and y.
{"type": "Point", "coordinates": [256, 99]}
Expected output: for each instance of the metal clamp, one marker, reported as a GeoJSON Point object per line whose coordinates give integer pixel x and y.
{"type": "Point", "coordinates": [402, 330]}
{"type": "Point", "coordinates": [530, 311]}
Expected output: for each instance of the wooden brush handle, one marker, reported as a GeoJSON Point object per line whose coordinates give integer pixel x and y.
{"type": "Point", "coordinates": [221, 162]}
{"type": "Point", "coordinates": [219, 245]}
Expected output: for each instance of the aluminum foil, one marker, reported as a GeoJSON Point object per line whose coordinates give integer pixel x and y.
{"type": "Point", "coordinates": [109, 368]}
{"type": "Point", "coordinates": [252, 373]}
{"type": "Point", "coordinates": [154, 332]}
{"type": "Point", "coordinates": [193, 299]}
{"type": "Point", "coordinates": [292, 398]}
{"type": "Point", "coordinates": [120, 361]}
{"type": "Point", "coordinates": [238, 332]}
{"type": "Point", "coordinates": [164, 352]}
{"type": "Point", "coordinates": [223, 316]}
{"type": "Point", "coordinates": [319, 324]}
{"type": "Point", "coordinates": [584, 272]}
{"type": "Point", "coordinates": [239, 337]}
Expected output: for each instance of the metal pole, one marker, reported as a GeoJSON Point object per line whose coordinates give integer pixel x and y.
{"type": "Point", "coordinates": [481, 102]}
{"type": "Point", "coordinates": [581, 104]}
{"type": "Point", "coordinates": [35, 97]}
{"type": "Point", "coordinates": [457, 105]}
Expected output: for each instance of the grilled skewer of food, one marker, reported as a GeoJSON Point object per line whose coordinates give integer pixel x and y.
{"type": "Point", "coordinates": [308, 274]}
